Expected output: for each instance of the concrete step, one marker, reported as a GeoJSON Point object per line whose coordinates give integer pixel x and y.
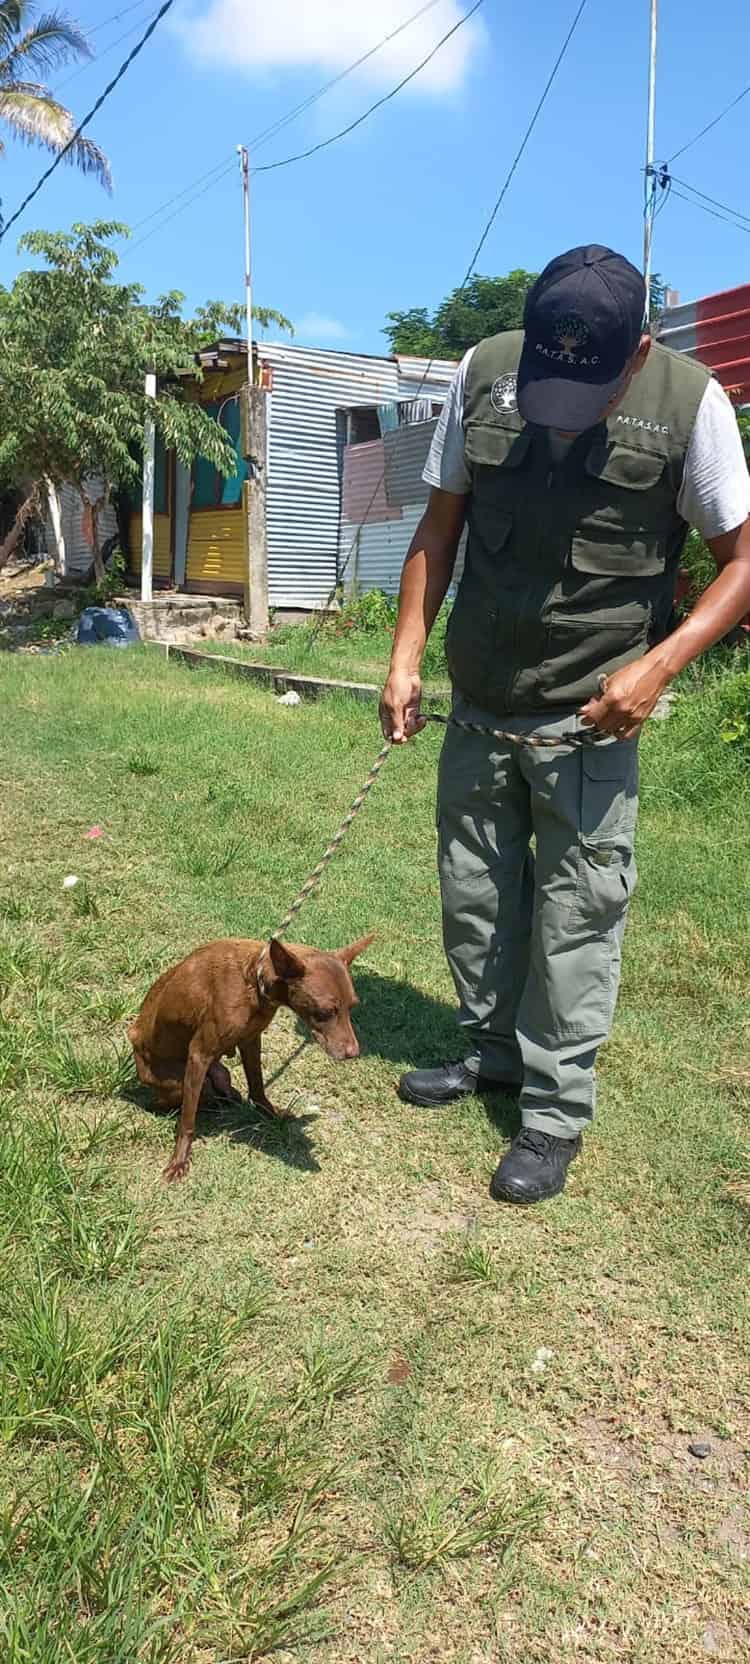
{"type": "Point", "coordinates": [176, 617]}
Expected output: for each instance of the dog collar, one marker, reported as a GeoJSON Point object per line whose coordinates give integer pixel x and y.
{"type": "Point", "coordinates": [263, 988]}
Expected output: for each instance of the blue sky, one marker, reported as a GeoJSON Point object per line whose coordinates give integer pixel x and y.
{"type": "Point", "coordinates": [389, 217]}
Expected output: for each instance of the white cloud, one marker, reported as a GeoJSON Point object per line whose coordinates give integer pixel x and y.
{"type": "Point", "coordinates": [327, 36]}
{"type": "Point", "coordinates": [316, 327]}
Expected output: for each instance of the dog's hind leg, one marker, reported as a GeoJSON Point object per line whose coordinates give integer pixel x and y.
{"type": "Point", "coordinates": [220, 1079]}
{"type": "Point", "coordinates": [198, 1064]}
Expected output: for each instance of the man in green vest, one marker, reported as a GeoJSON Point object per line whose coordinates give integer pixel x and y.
{"type": "Point", "coordinates": [577, 452]}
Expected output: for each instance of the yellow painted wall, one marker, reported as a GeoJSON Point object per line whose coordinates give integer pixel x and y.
{"type": "Point", "coordinates": [162, 544]}
{"type": "Point", "coordinates": [217, 547]}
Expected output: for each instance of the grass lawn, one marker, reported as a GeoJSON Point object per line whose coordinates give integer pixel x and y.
{"type": "Point", "coordinates": [355, 658]}
{"type": "Point", "coordinates": [326, 1400]}
{"type": "Point", "coordinates": [354, 647]}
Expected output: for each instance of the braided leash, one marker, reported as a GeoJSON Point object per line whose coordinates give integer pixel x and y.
{"type": "Point", "coordinates": [579, 738]}
{"type": "Point", "coordinates": [316, 875]}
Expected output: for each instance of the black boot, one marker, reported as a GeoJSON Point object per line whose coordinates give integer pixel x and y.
{"type": "Point", "coordinates": [433, 1087]}
{"type": "Point", "coordinates": [535, 1167]}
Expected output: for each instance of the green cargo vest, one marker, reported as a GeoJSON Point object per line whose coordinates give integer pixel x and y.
{"type": "Point", "coordinates": [570, 570]}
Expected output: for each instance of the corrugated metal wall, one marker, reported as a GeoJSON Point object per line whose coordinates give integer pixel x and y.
{"type": "Point", "coordinates": [405, 456]}
{"type": "Point", "coordinates": [76, 526]}
{"type": "Point", "coordinates": [376, 551]}
{"type": "Point", "coordinates": [715, 330]}
{"type": "Point", "coordinates": [304, 458]}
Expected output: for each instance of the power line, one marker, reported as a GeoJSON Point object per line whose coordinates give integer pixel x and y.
{"type": "Point", "coordinates": [302, 155]}
{"type": "Point", "coordinates": [95, 108]}
{"type": "Point", "coordinates": [116, 17]}
{"type": "Point", "coordinates": [469, 274]}
{"type": "Point", "coordinates": [738, 226]}
{"type": "Point", "coordinates": [270, 167]}
{"type": "Point", "coordinates": [711, 124]}
{"type": "Point", "coordinates": [227, 168]}
{"type": "Point", "coordinates": [712, 199]}
{"type": "Point", "coordinates": [525, 139]}
{"type": "Point", "coordinates": [275, 127]}
{"type": "Point", "coordinates": [299, 109]}
{"type": "Point", "coordinates": [225, 160]}
{"type": "Point", "coordinates": [91, 62]}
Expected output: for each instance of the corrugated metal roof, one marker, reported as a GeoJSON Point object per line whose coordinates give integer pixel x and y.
{"type": "Point", "coordinates": [405, 456]}
{"type": "Point", "coordinates": [304, 461]}
{"type": "Point", "coordinates": [716, 331]}
{"type": "Point", "coordinates": [412, 370]}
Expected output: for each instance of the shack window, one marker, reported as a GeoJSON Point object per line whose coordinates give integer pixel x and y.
{"type": "Point", "coordinates": [210, 488]}
{"type": "Point", "coordinates": [364, 425]}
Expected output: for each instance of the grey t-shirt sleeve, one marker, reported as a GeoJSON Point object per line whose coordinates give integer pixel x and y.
{"type": "Point", "coordinates": [446, 463]}
{"type": "Point", "coordinates": [715, 492]}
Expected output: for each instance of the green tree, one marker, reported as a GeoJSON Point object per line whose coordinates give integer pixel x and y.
{"type": "Point", "coordinates": [75, 346]}
{"type": "Point", "coordinates": [32, 45]}
{"type": "Point", "coordinates": [217, 318]}
{"type": "Point", "coordinates": [486, 306]}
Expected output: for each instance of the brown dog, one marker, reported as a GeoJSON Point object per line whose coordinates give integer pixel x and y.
{"type": "Point", "coordinates": [219, 1001]}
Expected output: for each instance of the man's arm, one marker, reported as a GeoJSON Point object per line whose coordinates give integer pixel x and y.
{"type": "Point", "coordinates": [427, 573]}
{"type": "Point", "coordinates": [633, 692]}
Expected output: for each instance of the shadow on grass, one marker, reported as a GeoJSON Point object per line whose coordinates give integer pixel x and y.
{"type": "Point", "coordinates": [395, 1022]}
{"type": "Point", "coordinates": [286, 1140]}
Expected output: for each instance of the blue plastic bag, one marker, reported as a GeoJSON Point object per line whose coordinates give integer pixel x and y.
{"type": "Point", "coordinates": [108, 627]}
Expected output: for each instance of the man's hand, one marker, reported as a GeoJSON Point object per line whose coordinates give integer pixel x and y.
{"type": "Point", "coordinates": [399, 706]}
{"type": "Point", "coordinates": [628, 698]}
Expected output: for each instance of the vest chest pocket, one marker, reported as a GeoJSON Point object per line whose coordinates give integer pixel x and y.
{"type": "Point", "coordinates": [624, 524]}
{"type": "Point", "coordinates": [497, 456]}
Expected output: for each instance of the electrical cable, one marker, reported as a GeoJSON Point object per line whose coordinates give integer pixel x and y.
{"type": "Point", "coordinates": [712, 199]}
{"type": "Point", "coordinates": [275, 127]}
{"type": "Point", "coordinates": [95, 108]}
{"type": "Point", "coordinates": [470, 271]}
{"type": "Point", "coordinates": [302, 155]}
{"type": "Point", "coordinates": [712, 211]}
{"type": "Point", "coordinates": [710, 125]}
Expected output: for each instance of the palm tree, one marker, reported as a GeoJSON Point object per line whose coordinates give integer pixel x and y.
{"type": "Point", "coordinates": [31, 45]}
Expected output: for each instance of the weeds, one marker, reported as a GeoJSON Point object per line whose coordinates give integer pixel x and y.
{"type": "Point", "coordinates": [472, 1262]}
{"type": "Point", "coordinates": [330, 1373]}
{"type": "Point", "coordinates": [214, 860]}
{"type": "Point", "coordinates": [144, 763]}
{"type": "Point", "coordinates": [97, 1240]}
{"type": "Point", "coordinates": [102, 1074]}
{"type": "Point", "coordinates": [449, 1525]}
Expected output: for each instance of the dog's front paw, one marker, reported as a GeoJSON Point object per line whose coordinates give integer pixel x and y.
{"type": "Point", "coordinates": [179, 1167]}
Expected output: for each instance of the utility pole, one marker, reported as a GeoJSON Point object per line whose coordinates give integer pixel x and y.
{"type": "Point", "coordinates": [650, 177]}
{"type": "Point", "coordinates": [256, 570]}
{"type": "Point", "coordinates": [149, 473]}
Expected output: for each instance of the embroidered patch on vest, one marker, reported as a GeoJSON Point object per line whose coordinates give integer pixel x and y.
{"type": "Point", "coordinates": [642, 422]}
{"type": "Point", "coordinates": [503, 395]}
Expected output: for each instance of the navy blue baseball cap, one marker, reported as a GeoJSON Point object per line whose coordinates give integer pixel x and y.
{"type": "Point", "coordinates": [583, 322]}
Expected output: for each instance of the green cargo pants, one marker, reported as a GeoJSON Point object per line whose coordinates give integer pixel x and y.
{"type": "Point", "coordinates": [533, 937]}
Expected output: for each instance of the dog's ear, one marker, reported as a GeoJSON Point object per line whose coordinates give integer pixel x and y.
{"type": "Point", "coordinates": [286, 964]}
{"type": "Point", "coordinates": [353, 952]}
